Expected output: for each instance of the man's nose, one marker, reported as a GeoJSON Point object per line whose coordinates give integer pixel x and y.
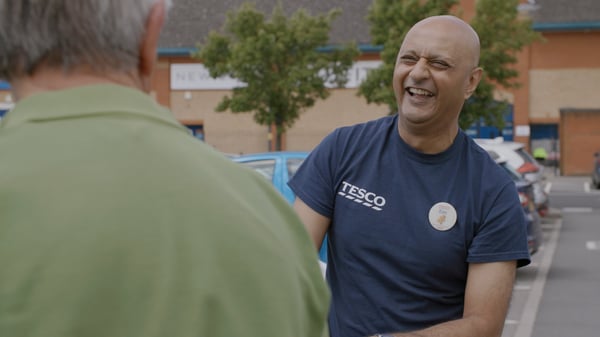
{"type": "Point", "coordinates": [420, 70]}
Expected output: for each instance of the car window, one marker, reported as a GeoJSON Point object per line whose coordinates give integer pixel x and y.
{"type": "Point", "coordinates": [265, 167]}
{"type": "Point", "coordinates": [512, 156]}
{"type": "Point", "coordinates": [493, 154]}
{"type": "Point", "coordinates": [516, 176]}
{"type": "Point", "coordinates": [525, 155]}
{"type": "Point", "coordinates": [292, 165]}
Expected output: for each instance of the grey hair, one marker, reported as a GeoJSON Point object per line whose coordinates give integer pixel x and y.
{"type": "Point", "coordinates": [103, 34]}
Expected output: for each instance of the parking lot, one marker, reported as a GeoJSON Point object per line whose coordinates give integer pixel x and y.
{"type": "Point", "coordinates": [557, 295]}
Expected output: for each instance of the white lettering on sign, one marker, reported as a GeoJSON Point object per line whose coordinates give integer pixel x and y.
{"type": "Point", "coordinates": [195, 76]}
{"type": "Point", "coordinates": [357, 73]}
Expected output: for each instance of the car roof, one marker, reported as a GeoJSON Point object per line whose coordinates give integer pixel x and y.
{"type": "Point", "coordinates": [497, 157]}
{"type": "Point", "coordinates": [497, 142]}
{"type": "Point", "coordinates": [270, 155]}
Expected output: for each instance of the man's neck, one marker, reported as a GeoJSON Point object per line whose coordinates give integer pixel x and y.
{"type": "Point", "coordinates": [429, 142]}
{"type": "Point", "coordinates": [48, 79]}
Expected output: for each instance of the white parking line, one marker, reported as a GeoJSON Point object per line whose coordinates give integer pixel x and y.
{"type": "Point", "coordinates": [592, 245]}
{"type": "Point", "coordinates": [525, 328]}
{"type": "Point", "coordinates": [577, 210]}
{"type": "Point", "coordinates": [586, 187]}
{"type": "Point", "coordinates": [548, 187]}
{"type": "Point", "coordinates": [522, 287]}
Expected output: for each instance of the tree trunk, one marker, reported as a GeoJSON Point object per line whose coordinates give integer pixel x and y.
{"type": "Point", "coordinates": [278, 136]}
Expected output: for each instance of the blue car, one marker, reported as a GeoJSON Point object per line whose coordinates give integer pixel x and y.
{"type": "Point", "coordinates": [279, 167]}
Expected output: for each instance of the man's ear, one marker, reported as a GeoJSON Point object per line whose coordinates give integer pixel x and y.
{"type": "Point", "coordinates": [474, 79]}
{"type": "Point", "coordinates": [149, 45]}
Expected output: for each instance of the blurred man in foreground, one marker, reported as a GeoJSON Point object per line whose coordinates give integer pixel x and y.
{"type": "Point", "coordinates": [114, 221]}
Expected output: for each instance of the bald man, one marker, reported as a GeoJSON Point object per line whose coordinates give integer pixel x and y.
{"type": "Point", "coordinates": [425, 231]}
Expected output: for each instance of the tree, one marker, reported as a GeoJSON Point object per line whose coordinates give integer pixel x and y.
{"type": "Point", "coordinates": [502, 34]}
{"type": "Point", "coordinates": [390, 20]}
{"type": "Point", "coordinates": [279, 62]}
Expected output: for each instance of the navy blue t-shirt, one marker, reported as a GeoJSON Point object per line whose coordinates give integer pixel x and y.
{"type": "Point", "coordinates": [405, 225]}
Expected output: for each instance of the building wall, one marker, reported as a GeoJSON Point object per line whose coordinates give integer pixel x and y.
{"type": "Point", "coordinates": [559, 72]}
{"type": "Point", "coordinates": [554, 89]}
{"type": "Point", "coordinates": [239, 133]}
{"type": "Point", "coordinates": [226, 131]}
{"type": "Point", "coordinates": [342, 108]}
{"type": "Point", "coordinates": [571, 50]}
{"type": "Point", "coordinates": [564, 72]}
{"type": "Point", "coordinates": [579, 140]}
{"type": "Point", "coordinates": [161, 82]}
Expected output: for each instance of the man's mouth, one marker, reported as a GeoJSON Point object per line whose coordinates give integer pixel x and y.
{"type": "Point", "coordinates": [419, 92]}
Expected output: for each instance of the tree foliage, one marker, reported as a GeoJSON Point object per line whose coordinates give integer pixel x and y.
{"type": "Point", "coordinates": [502, 33]}
{"type": "Point", "coordinates": [279, 62]}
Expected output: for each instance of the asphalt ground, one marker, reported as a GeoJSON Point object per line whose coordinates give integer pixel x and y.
{"type": "Point", "coordinates": [558, 295]}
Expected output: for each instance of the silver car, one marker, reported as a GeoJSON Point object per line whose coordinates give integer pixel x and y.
{"type": "Point", "coordinates": [596, 171]}
{"type": "Point", "coordinates": [517, 157]}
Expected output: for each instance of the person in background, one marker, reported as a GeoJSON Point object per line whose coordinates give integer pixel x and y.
{"type": "Point", "coordinates": [114, 220]}
{"type": "Point", "coordinates": [541, 155]}
{"type": "Point", "coordinates": [425, 230]}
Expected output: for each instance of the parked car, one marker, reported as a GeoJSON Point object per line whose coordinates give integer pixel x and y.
{"type": "Point", "coordinates": [525, 190]}
{"type": "Point", "coordinates": [517, 157]}
{"type": "Point", "coordinates": [596, 171]}
{"type": "Point", "coordinates": [278, 167]}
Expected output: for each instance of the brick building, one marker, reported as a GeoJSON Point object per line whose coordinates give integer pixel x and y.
{"type": "Point", "coordinates": [558, 74]}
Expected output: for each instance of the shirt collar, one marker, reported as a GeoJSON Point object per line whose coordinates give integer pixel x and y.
{"type": "Point", "coordinates": [86, 100]}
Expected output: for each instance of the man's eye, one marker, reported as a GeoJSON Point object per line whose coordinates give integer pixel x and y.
{"type": "Point", "coordinates": [439, 64]}
{"type": "Point", "coordinates": [408, 60]}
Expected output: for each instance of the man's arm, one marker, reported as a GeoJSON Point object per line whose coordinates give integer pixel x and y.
{"type": "Point", "coordinates": [487, 297]}
{"type": "Point", "coordinates": [315, 223]}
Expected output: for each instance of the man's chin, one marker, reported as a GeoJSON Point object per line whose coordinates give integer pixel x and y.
{"type": "Point", "coordinates": [415, 115]}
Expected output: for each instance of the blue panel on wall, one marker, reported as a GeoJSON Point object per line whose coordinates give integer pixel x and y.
{"type": "Point", "coordinates": [544, 131]}
{"type": "Point", "coordinates": [481, 130]}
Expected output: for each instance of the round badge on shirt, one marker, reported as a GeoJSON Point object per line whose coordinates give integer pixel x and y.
{"type": "Point", "coordinates": [442, 216]}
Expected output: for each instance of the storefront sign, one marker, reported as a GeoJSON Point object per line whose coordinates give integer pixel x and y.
{"type": "Point", "coordinates": [194, 76]}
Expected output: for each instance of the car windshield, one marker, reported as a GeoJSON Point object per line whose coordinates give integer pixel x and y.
{"type": "Point", "coordinates": [265, 167]}
{"type": "Point", "coordinates": [516, 176]}
{"type": "Point", "coordinates": [292, 165]}
{"type": "Point", "coordinates": [525, 155]}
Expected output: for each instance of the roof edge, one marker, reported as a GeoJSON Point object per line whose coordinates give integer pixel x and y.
{"type": "Point", "coordinates": [364, 48]}
{"type": "Point", "coordinates": [578, 110]}
{"type": "Point", "coordinates": [184, 51]}
{"type": "Point", "coordinates": [565, 26]}
{"type": "Point", "coordinates": [187, 51]}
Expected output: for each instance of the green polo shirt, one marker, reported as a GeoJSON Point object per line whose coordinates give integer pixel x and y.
{"type": "Point", "coordinates": [115, 222]}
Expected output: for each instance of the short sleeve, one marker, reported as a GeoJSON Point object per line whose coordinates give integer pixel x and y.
{"type": "Point", "coordinates": [314, 182]}
{"type": "Point", "coordinates": [503, 234]}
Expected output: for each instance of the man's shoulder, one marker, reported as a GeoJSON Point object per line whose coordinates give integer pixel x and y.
{"type": "Point", "coordinates": [367, 129]}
